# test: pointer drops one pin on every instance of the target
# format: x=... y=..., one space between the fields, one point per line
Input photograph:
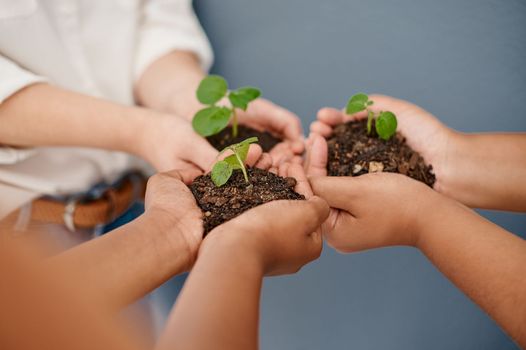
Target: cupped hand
x=265 y=115
x=173 y=205
x=169 y=142
x=368 y=211
x=423 y=132
x=373 y=210
x=283 y=235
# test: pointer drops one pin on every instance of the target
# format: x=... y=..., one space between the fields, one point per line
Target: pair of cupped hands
x=350 y=213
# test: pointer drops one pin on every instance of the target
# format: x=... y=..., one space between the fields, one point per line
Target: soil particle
x=220 y=204
x=352 y=152
x=267 y=141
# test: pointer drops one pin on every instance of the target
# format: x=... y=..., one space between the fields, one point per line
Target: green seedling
x=223 y=169
x=212 y=119
x=386 y=122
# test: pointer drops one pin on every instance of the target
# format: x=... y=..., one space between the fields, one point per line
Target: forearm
x=127 y=263
x=488 y=171
x=483 y=260
x=44 y=115
x=219 y=305
x=169 y=84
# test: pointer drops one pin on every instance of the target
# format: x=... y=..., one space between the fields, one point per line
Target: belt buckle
x=72 y=204
x=69 y=214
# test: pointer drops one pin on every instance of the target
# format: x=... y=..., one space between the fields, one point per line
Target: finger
x=184 y=171
x=282 y=121
x=339 y=192
x=265 y=162
x=203 y=154
x=297 y=160
x=273 y=170
x=331 y=116
x=321 y=128
x=254 y=154
x=283 y=169
x=317 y=157
x=342 y=237
x=302 y=186
x=281 y=152
x=187 y=175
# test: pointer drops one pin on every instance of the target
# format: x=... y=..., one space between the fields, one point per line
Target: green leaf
x=243 y=146
x=357 y=103
x=221 y=172
x=211 y=120
x=241 y=97
x=386 y=124
x=232 y=161
x=212 y=89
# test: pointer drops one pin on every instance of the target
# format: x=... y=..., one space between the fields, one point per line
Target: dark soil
x=267 y=141
x=353 y=153
x=220 y=204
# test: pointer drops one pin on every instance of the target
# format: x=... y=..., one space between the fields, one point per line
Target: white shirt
x=95 y=47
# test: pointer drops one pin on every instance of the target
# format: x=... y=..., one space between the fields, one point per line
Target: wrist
x=230 y=246
x=431 y=212
x=162 y=227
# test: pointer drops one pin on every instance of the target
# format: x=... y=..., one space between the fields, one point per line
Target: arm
x=483 y=260
x=169 y=84
x=218 y=308
x=488 y=171
x=44 y=115
x=127 y=263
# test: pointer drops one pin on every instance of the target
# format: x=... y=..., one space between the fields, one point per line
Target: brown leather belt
x=86 y=213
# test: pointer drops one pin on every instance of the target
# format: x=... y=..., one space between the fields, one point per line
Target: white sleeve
x=168 y=25
x=14 y=78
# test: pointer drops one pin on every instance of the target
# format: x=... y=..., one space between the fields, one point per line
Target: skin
x=459 y=160
x=127 y=263
x=177 y=96
x=220 y=300
x=72 y=119
x=483 y=260
x=219 y=305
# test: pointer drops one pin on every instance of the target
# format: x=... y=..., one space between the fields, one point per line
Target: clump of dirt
x=352 y=152
x=267 y=141
x=220 y=204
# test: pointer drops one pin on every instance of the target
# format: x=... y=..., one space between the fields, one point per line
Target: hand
x=366 y=210
x=424 y=133
x=265 y=115
x=169 y=142
x=280 y=244
x=172 y=204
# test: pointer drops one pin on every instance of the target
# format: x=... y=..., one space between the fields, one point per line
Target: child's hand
x=265 y=115
x=424 y=133
x=278 y=237
x=373 y=210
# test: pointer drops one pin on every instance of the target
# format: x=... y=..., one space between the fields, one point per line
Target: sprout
x=223 y=169
x=386 y=122
x=212 y=119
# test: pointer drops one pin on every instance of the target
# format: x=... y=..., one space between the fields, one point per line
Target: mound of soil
x=220 y=204
x=267 y=141
x=352 y=152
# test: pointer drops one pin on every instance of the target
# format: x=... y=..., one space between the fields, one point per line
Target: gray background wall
x=463 y=60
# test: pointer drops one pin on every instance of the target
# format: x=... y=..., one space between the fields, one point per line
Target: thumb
x=203 y=154
x=317 y=157
x=339 y=192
